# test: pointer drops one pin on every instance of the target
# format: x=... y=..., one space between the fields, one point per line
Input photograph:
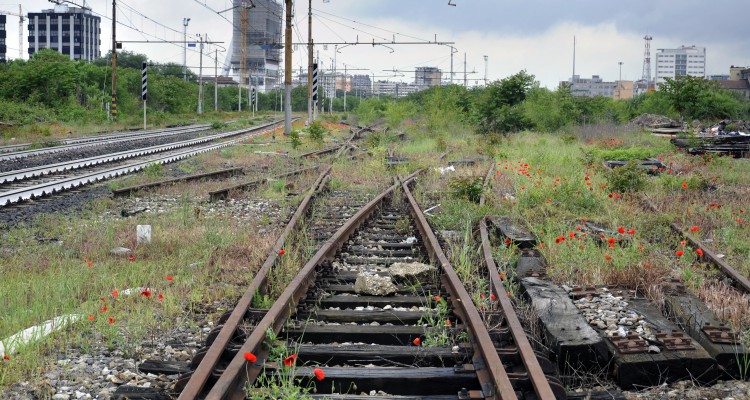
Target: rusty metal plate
x=720 y=334
x=630 y=344
x=675 y=341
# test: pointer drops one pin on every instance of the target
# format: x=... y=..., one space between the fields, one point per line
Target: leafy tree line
x=518 y=103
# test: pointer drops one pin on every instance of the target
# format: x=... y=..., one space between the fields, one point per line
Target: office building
x=428 y=77
x=72 y=31
x=684 y=61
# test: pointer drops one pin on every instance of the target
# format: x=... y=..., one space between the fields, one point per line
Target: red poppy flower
x=111 y=320
x=89 y=263
x=91 y=317
x=507 y=242
x=103 y=309
x=6 y=357
x=289 y=361
x=694 y=229
x=611 y=240
x=102 y=299
x=684 y=185
x=115 y=293
x=631 y=231
x=680 y=253
x=131 y=258
x=281 y=252
x=700 y=252
x=492 y=297
x=437 y=298
x=250 y=357
x=682 y=243
x=608 y=257
x=507 y=294
x=572 y=234
x=559 y=239
x=170 y=278
x=502 y=275
x=648 y=265
x=621 y=230
x=481 y=297
x=160 y=297
x=146 y=293
x=319 y=375
x=417 y=341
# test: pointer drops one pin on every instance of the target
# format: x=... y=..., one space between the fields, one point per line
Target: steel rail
x=219 y=173
x=498 y=377
x=27 y=173
x=79 y=143
x=221 y=194
x=210 y=360
x=42 y=189
x=708 y=254
x=238 y=372
x=539 y=381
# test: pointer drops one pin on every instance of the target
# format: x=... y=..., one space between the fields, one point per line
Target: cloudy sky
x=536 y=35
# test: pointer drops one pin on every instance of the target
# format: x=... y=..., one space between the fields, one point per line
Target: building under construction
x=255 y=52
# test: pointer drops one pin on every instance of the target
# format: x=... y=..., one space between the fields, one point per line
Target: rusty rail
x=708 y=254
x=203 y=372
x=215 y=174
x=494 y=373
x=539 y=381
x=222 y=194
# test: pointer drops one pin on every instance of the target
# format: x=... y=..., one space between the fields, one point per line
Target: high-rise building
x=262 y=37
x=684 y=61
x=70 y=30
x=3 y=47
x=428 y=76
x=362 y=84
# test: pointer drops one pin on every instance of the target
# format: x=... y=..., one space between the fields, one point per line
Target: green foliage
x=397 y=111
x=294 y=137
x=624 y=154
x=153 y=170
x=628 y=178
x=699 y=98
x=370 y=110
x=316 y=131
x=468 y=188
x=498 y=108
x=550 y=111
x=217 y=125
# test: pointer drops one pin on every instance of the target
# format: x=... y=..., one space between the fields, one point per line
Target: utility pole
x=243 y=33
x=309 y=64
x=465 y=81
x=345 y=88
x=216 y=79
x=453 y=50
x=485 y=70
x=573 y=78
x=200 y=79
x=239 y=94
x=288 y=69
x=114 y=60
x=619 y=82
x=185 y=22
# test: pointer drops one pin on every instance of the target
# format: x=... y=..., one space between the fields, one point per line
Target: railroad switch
x=675 y=341
x=720 y=334
x=630 y=344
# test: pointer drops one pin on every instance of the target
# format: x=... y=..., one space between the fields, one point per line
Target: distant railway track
x=18 y=186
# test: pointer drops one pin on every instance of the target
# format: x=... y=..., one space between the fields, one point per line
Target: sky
x=532 y=35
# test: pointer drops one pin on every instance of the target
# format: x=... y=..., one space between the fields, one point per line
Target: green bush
x=294 y=137
x=628 y=178
x=316 y=131
x=468 y=188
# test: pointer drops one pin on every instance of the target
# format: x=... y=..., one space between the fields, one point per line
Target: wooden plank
x=400 y=289
x=382 y=355
x=126 y=392
x=692 y=315
x=383 y=334
x=576 y=345
x=375 y=301
x=164 y=367
x=519 y=235
x=531 y=263
x=367 y=316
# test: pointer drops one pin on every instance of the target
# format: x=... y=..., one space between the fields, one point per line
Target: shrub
x=469 y=188
x=316 y=131
x=294 y=137
x=628 y=178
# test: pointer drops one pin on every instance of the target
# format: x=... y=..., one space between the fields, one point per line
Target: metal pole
x=144 y=115
x=288 y=69
x=335 y=55
x=200 y=80
x=452 y=51
x=309 y=65
x=185 y=22
x=485 y=70
x=344 y=87
x=466 y=84
x=216 y=80
x=114 y=60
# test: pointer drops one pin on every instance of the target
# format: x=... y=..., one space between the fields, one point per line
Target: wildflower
x=682 y=243
x=502 y=275
x=146 y=293
x=160 y=296
x=103 y=309
x=492 y=297
x=6 y=357
x=579 y=227
x=417 y=341
x=507 y=294
x=115 y=293
x=319 y=375
x=250 y=357
x=507 y=242
x=131 y=258
x=281 y=252
x=694 y=229
x=648 y=266
x=102 y=299
x=684 y=185
x=289 y=361
x=608 y=257
x=631 y=231
x=611 y=241
x=481 y=297
x=559 y=239
x=111 y=320
x=700 y=252
x=572 y=235
x=170 y=278
x=89 y=263
x=680 y=253
x=91 y=317
x=621 y=230
x=580 y=247
x=437 y=298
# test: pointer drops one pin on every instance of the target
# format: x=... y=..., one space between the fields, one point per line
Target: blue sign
x=191 y=44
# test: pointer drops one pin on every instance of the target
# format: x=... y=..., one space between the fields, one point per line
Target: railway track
x=18 y=186
x=425 y=339
x=15 y=152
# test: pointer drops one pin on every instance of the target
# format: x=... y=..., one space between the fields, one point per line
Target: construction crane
x=20 y=28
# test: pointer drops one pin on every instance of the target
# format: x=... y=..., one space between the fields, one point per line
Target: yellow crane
x=21 y=20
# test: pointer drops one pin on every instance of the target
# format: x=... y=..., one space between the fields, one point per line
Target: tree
x=698 y=98
x=125 y=59
x=497 y=108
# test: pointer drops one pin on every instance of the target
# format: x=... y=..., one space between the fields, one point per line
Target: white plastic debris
x=11 y=344
x=411 y=240
x=143 y=234
x=444 y=170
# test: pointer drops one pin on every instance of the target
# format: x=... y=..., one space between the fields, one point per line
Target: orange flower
x=89 y=263
x=700 y=252
x=250 y=357
x=680 y=253
x=502 y=275
x=437 y=298
x=170 y=278
x=481 y=297
x=111 y=320
x=611 y=241
x=694 y=229
x=91 y=317
x=648 y=265
x=319 y=375
x=417 y=341
x=572 y=235
x=289 y=361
